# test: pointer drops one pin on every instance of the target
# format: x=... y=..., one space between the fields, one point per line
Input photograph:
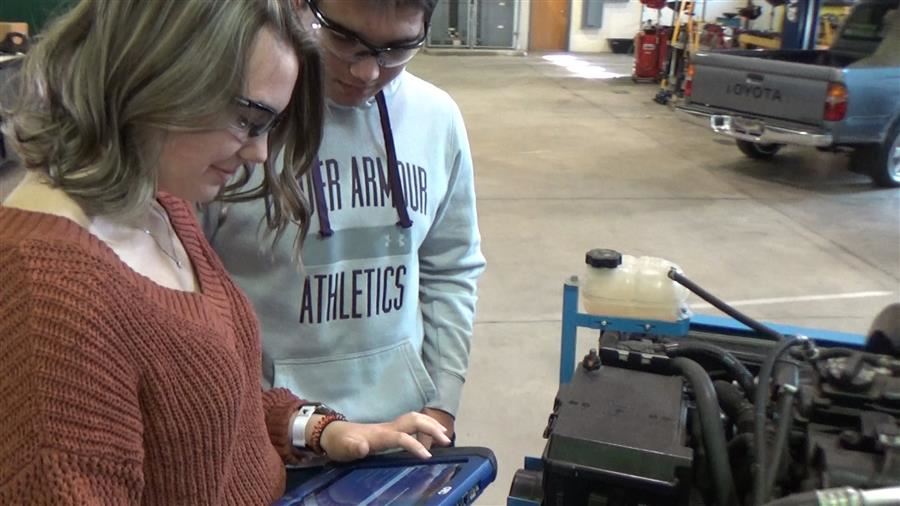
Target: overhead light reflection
x=559 y=57
x=581 y=68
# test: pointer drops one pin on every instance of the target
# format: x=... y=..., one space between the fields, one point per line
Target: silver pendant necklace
x=166 y=252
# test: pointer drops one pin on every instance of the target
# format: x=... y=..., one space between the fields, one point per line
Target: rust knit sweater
x=116 y=390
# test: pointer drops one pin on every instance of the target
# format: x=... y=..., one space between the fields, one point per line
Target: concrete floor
x=565 y=164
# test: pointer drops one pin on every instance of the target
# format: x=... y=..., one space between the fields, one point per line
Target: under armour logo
x=391 y=238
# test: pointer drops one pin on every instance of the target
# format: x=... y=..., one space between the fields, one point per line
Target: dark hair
x=427 y=6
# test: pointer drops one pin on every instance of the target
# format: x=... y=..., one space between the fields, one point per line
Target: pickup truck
x=846 y=97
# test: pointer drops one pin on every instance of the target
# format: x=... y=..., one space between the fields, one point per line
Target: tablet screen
x=383 y=486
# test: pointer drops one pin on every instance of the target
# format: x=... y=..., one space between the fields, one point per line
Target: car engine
x=708 y=419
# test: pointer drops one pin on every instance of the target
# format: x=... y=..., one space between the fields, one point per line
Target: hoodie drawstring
x=398 y=200
x=397 y=197
x=321 y=209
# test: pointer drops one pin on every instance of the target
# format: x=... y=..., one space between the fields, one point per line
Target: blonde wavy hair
x=107 y=74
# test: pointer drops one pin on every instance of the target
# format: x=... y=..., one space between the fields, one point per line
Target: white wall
x=623 y=19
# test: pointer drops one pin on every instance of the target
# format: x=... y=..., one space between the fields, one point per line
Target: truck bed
x=822 y=57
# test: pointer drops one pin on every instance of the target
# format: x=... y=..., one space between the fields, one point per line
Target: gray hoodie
x=381 y=323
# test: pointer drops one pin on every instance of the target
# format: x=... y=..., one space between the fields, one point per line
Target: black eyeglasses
x=350 y=47
x=254 y=117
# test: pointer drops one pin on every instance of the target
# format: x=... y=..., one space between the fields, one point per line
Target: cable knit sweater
x=116 y=390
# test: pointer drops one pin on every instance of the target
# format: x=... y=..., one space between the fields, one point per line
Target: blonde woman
x=130 y=361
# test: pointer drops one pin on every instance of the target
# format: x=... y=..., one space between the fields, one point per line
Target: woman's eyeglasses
x=350 y=47
x=254 y=117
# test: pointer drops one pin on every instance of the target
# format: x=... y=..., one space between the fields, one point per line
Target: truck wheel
x=885 y=169
x=758 y=151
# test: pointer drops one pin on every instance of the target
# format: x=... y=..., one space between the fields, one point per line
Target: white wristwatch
x=298 y=429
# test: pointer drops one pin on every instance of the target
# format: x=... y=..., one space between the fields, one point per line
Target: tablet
x=452 y=476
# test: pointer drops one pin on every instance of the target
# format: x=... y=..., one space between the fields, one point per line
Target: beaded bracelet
x=315 y=443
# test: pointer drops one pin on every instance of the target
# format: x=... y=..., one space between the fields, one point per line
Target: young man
x=378 y=321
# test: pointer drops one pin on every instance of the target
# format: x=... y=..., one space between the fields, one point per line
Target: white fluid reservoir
x=625 y=286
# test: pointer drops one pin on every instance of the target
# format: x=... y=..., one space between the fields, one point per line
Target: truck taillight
x=836 y=102
x=689 y=81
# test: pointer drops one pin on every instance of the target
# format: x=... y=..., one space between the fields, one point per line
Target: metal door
x=474 y=24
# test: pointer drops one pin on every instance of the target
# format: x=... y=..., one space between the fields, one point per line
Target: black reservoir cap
x=603 y=258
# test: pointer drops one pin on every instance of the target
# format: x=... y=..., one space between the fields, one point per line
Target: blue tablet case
x=453 y=476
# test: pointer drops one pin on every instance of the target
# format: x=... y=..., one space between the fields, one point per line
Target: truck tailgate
x=762 y=87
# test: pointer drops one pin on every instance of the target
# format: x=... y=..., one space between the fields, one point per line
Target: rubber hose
x=785 y=409
x=759 y=417
x=736 y=370
x=713 y=432
x=735 y=405
x=724 y=307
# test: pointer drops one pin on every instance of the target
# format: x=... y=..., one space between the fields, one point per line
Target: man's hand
x=444 y=418
x=345 y=441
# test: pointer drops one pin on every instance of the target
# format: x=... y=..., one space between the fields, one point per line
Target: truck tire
x=758 y=151
x=885 y=160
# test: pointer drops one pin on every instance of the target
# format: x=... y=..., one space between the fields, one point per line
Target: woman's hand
x=345 y=441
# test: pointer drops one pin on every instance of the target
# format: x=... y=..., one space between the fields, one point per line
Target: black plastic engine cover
x=616 y=431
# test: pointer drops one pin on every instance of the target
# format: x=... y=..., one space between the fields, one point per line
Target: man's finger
x=413 y=446
x=446 y=424
x=434 y=430
x=425 y=439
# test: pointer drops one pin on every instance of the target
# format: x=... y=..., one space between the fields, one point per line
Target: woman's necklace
x=166 y=252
